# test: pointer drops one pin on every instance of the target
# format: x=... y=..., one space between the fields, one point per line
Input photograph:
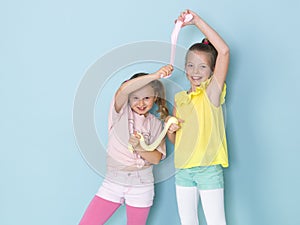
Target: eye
x=204 y=67
x=189 y=65
x=147 y=98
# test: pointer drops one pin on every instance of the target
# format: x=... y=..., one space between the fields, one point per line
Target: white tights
x=212 y=204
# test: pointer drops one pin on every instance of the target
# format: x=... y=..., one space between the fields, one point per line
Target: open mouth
x=196 y=78
x=141 y=108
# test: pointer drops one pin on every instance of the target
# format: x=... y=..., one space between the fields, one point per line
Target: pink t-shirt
x=119 y=128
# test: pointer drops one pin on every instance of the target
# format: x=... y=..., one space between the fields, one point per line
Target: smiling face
x=197 y=68
x=142 y=100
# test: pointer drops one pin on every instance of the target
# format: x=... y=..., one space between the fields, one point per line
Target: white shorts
x=135 y=188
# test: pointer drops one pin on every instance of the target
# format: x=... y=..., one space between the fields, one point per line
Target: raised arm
x=121 y=96
x=222 y=62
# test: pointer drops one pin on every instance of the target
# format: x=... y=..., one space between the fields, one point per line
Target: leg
x=213 y=206
x=98 y=211
x=137 y=215
x=187 y=201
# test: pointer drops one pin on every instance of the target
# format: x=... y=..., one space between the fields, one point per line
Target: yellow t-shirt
x=201 y=141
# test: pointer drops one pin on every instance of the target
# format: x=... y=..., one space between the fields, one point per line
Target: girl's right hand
x=174 y=127
x=134 y=140
x=164 y=71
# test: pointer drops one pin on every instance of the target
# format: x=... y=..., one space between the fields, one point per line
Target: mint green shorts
x=202 y=177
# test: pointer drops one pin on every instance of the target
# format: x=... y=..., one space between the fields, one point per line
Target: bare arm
x=222 y=61
x=121 y=96
x=171 y=134
x=222 y=48
x=153 y=157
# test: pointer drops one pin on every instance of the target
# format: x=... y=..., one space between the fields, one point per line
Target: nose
x=141 y=102
x=196 y=70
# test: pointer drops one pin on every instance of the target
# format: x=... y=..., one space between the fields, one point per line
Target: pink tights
x=100 y=210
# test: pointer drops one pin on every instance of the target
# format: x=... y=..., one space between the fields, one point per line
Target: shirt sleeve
x=114 y=115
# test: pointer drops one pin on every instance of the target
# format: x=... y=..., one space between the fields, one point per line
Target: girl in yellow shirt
x=200 y=141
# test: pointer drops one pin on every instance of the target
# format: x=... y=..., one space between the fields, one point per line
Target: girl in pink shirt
x=129 y=176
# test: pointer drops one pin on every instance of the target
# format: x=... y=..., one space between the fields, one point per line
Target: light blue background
x=47 y=46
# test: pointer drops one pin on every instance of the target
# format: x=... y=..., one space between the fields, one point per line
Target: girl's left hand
x=182 y=15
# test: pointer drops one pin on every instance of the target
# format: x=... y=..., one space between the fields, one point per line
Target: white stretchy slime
x=174 y=36
x=157 y=142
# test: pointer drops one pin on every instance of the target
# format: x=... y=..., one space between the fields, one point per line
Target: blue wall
x=46 y=47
